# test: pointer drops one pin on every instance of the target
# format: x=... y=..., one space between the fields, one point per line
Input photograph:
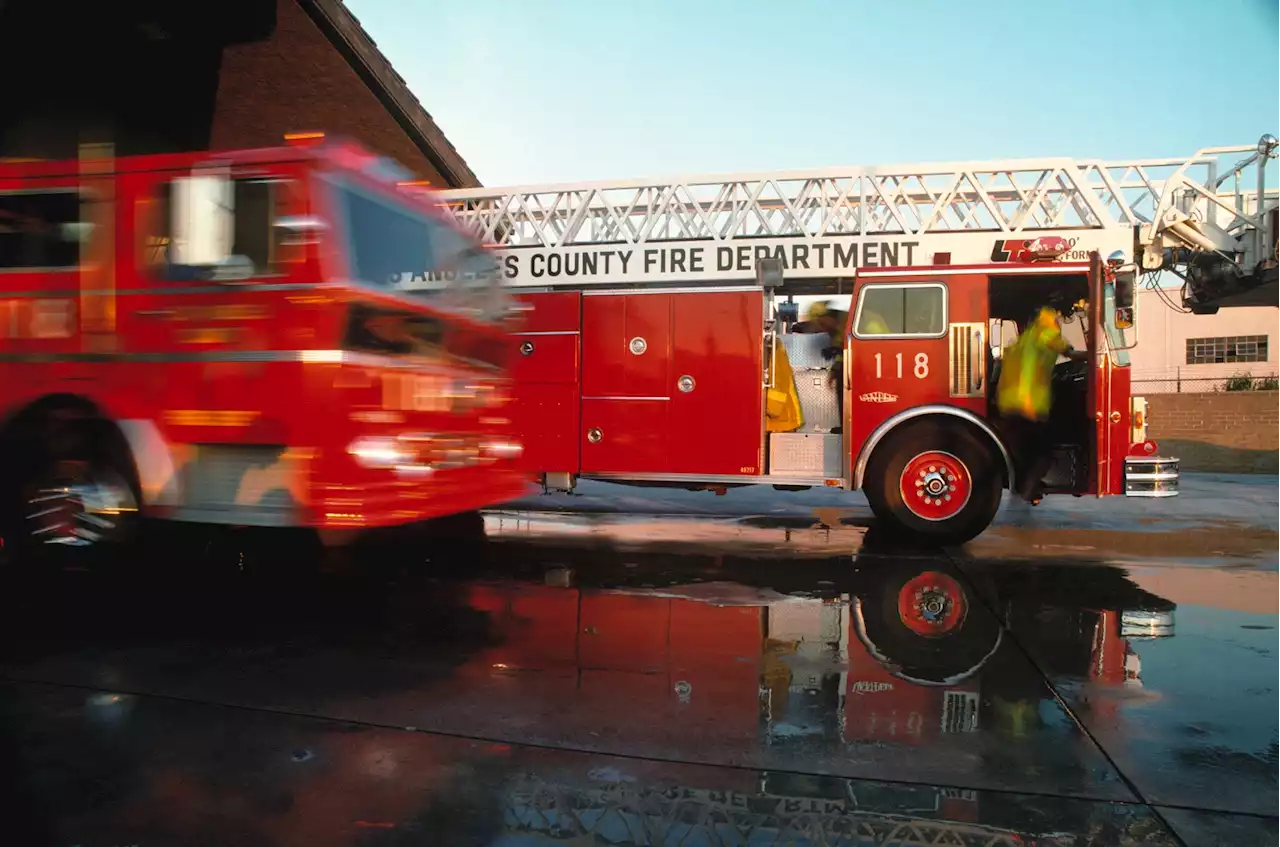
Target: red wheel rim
x=935 y=485
x=932 y=604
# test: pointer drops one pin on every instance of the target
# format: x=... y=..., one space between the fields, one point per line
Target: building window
x=902 y=311
x=1236 y=348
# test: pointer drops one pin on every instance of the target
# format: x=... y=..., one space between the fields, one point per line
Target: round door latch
x=685 y=383
x=1115 y=417
x=637 y=346
x=594 y=435
x=526 y=349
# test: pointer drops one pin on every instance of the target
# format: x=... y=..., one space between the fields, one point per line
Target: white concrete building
x=1195 y=353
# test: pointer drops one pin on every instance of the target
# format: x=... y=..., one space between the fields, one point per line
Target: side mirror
x=769 y=273
x=300 y=229
x=1125 y=297
x=203 y=225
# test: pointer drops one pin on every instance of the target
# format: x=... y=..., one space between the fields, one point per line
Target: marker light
x=303 y=139
x=1047 y=247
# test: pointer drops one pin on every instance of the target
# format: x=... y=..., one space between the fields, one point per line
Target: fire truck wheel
x=934 y=482
x=72 y=498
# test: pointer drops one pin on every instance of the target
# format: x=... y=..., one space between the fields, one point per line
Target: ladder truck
x=658 y=345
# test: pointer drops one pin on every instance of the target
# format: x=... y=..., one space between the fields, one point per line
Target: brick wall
x=1224 y=432
x=298 y=81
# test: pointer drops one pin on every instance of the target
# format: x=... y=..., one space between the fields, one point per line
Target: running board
x=719 y=479
x=1150 y=476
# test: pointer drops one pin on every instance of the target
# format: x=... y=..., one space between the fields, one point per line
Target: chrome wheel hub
x=79 y=513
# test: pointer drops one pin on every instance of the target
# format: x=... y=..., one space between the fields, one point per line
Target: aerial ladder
x=1207 y=219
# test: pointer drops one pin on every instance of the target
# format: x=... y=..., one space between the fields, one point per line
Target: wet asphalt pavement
x=635 y=666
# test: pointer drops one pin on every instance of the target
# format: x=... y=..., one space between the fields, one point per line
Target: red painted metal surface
x=1120 y=430
x=626 y=346
x=551 y=311
x=638 y=352
x=888 y=376
x=625 y=436
x=546 y=367
x=719 y=344
x=264 y=361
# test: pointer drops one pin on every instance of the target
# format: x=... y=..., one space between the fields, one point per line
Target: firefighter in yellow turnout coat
x=1024 y=396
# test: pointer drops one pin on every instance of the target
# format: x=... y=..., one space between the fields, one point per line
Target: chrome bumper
x=1150 y=476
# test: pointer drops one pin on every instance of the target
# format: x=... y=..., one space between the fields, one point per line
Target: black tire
x=70 y=497
x=955 y=447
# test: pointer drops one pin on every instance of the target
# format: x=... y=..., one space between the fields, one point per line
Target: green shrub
x=1239 y=382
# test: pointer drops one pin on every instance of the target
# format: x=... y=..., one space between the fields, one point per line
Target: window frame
x=862 y=300
x=83 y=195
x=1261 y=341
x=436 y=299
x=156 y=192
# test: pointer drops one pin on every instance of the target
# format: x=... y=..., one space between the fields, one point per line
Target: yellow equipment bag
x=782 y=404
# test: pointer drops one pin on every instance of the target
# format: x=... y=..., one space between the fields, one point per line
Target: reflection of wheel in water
x=920 y=623
x=932 y=604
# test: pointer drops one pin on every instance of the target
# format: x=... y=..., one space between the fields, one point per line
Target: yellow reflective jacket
x=1026 y=378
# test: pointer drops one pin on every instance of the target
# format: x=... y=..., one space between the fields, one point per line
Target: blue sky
x=576 y=90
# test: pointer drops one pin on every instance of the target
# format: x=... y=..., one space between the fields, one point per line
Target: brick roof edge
x=358 y=48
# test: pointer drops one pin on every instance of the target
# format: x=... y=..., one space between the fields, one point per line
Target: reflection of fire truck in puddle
x=676 y=672
x=910 y=658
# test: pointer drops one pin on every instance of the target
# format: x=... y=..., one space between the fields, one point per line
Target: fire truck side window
x=255 y=236
x=906 y=311
x=40 y=230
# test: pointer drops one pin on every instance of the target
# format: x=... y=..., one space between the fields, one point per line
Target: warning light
x=942 y=258
x=1047 y=247
x=303 y=139
x=414 y=183
x=1139 y=419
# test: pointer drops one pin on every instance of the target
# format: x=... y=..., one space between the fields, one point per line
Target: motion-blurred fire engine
x=219 y=338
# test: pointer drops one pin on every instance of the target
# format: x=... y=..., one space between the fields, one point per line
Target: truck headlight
x=379 y=453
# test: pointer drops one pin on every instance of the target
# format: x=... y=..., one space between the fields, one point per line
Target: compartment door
x=717 y=384
x=626 y=384
x=545 y=371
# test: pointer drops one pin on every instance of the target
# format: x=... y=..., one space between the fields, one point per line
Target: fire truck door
x=915 y=341
x=671 y=383
x=1098 y=445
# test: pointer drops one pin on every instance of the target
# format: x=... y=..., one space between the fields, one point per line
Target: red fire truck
x=224 y=338
x=659 y=349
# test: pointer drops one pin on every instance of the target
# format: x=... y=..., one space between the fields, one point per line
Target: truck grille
x=968 y=360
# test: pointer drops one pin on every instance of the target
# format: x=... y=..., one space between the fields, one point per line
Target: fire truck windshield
x=393 y=245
